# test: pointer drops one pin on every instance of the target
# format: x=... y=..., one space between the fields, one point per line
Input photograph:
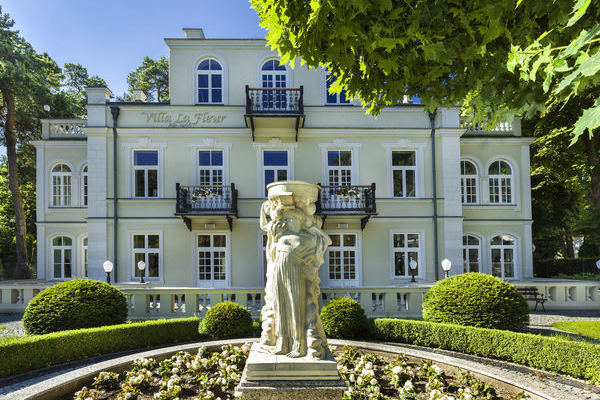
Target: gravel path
x=13 y=324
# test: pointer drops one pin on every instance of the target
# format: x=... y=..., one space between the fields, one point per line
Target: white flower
x=373 y=382
x=397 y=369
x=408 y=386
x=434 y=394
x=437 y=369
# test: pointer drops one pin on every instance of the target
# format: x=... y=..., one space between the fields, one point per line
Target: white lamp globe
x=598 y=264
x=446 y=264
x=412 y=264
x=141 y=265
x=108 y=266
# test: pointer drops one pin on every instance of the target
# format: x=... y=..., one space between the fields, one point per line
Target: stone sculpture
x=294 y=251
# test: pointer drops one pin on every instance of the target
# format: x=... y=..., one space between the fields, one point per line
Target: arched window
x=274 y=75
x=61 y=185
x=468 y=182
x=210 y=82
x=502 y=248
x=62 y=257
x=84 y=186
x=500 y=182
x=471 y=253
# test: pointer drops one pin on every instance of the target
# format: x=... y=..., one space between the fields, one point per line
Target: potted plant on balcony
x=204 y=193
x=348 y=193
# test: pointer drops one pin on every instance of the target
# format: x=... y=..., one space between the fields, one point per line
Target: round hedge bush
x=227 y=320
x=344 y=318
x=75 y=304
x=476 y=299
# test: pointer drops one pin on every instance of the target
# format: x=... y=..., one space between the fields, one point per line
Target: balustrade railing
x=63 y=128
x=347 y=199
x=483 y=127
x=206 y=199
x=274 y=100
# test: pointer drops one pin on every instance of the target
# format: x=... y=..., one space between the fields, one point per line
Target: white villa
x=179 y=185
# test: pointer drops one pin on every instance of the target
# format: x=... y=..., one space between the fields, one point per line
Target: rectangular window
x=404 y=170
x=85 y=257
x=145 y=166
x=406 y=248
x=335 y=98
x=342 y=258
x=275 y=166
x=146 y=248
x=339 y=167
x=210 y=164
x=212 y=259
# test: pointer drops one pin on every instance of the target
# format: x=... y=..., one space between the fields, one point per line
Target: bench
x=532 y=294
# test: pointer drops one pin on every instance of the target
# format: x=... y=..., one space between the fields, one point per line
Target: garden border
x=543 y=385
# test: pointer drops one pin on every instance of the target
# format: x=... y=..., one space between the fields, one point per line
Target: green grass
x=2 y=327
x=584 y=328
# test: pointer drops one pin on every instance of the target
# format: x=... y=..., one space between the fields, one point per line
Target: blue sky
x=111 y=37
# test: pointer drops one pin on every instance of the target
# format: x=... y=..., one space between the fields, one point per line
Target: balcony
x=274 y=112
x=347 y=200
x=65 y=129
x=481 y=128
x=204 y=202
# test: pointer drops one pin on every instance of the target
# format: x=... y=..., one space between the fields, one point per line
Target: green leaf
x=590 y=119
x=590 y=66
x=578 y=11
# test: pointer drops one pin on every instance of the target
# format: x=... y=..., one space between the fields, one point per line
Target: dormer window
x=210 y=82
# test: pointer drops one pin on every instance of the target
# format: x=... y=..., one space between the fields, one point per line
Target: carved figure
x=295 y=248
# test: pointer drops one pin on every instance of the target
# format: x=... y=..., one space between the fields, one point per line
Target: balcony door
x=210 y=193
x=274 y=75
x=339 y=192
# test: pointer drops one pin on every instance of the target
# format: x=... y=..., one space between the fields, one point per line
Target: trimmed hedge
x=28 y=353
x=344 y=318
x=567 y=266
x=574 y=358
x=227 y=320
x=76 y=304
x=476 y=299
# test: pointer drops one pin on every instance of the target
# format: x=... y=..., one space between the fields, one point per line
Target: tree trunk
x=592 y=146
x=13 y=184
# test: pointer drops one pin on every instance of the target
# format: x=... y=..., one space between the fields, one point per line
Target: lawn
x=585 y=328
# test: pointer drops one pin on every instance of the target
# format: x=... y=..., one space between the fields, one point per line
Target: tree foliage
x=151 y=76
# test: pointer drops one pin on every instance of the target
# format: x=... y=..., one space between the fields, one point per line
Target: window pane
x=203 y=96
x=152 y=267
x=410 y=183
x=275 y=158
x=215 y=80
x=268 y=66
x=269 y=176
x=203 y=240
x=281 y=175
x=399 y=264
x=335 y=240
x=467 y=168
x=68 y=263
x=137 y=257
x=507 y=240
x=140 y=182
x=215 y=66
x=204 y=65
x=204 y=265
x=202 y=81
x=398 y=183
x=67 y=241
x=219 y=265
x=145 y=157
x=343 y=99
x=153 y=242
x=346 y=158
x=57 y=263
x=399 y=240
x=152 y=183
x=413 y=240
x=219 y=240
x=216 y=158
x=505 y=168
x=413 y=255
x=139 y=241
x=204 y=157
x=494 y=168
x=496 y=240
x=349 y=240
x=216 y=96
x=403 y=158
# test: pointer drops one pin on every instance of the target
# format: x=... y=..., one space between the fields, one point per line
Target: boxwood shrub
x=344 y=318
x=476 y=299
x=75 y=304
x=574 y=358
x=22 y=354
x=227 y=320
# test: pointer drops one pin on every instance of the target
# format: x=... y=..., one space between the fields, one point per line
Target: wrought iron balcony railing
x=274 y=101
x=206 y=199
x=352 y=199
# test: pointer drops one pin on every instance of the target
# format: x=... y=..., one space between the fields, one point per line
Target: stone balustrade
x=63 y=128
x=503 y=127
x=145 y=301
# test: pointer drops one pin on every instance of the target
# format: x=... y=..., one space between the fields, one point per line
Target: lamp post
x=598 y=265
x=141 y=266
x=446 y=266
x=413 y=269
x=108 y=267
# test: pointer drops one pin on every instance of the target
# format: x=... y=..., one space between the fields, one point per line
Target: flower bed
x=207 y=376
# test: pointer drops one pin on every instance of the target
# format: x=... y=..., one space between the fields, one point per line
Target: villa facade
x=405 y=186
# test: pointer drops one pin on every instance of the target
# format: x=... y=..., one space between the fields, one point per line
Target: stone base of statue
x=273 y=377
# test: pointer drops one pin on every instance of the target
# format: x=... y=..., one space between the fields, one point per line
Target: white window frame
x=61 y=176
x=272 y=145
x=463 y=182
x=209 y=73
x=85 y=186
x=83 y=253
x=222 y=168
x=468 y=248
x=62 y=249
x=344 y=283
x=406 y=145
x=340 y=145
x=212 y=283
x=259 y=72
x=224 y=81
x=133 y=251
x=404 y=168
x=516 y=258
x=158 y=168
x=421 y=254
x=500 y=177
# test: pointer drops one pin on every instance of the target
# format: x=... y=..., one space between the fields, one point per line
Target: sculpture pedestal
x=273 y=377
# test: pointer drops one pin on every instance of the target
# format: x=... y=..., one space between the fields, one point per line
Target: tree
x=151 y=76
x=26 y=81
x=74 y=80
x=495 y=57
